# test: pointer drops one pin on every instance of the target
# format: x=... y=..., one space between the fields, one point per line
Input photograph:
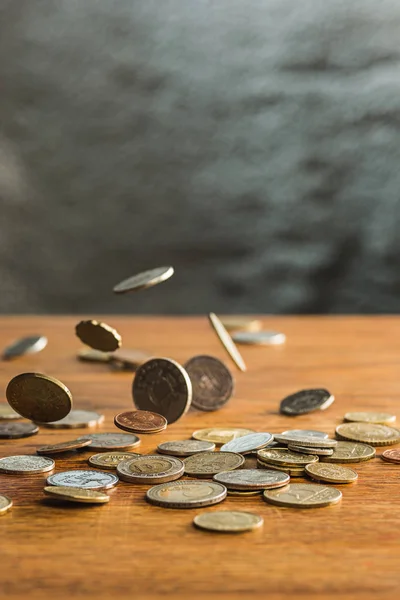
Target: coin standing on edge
x=227 y=342
x=26 y=345
x=259 y=338
x=144 y=280
x=212 y=382
x=248 y=443
x=26 y=464
x=150 y=468
x=228 y=521
x=331 y=473
x=185 y=447
x=84 y=479
x=369 y=433
x=5 y=504
x=251 y=479
x=140 y=421
x=111 y=441
x=110 y=460
x=64 y=446
x=220 y=435
x=39 y=397
x=303 y=495
x=306 y=401
x=186 y=494
x=98 y=335
x=204 y=464
x=76 y=494
x=76 y=419
x=14 y=431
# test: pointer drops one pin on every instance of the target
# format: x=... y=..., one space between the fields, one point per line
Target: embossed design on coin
x=228 y=521
x=227 y=342
x=303 y=495
x=97 y=335
x=84 y=479
x=310 y=441
x=39 y=397
x=350 y=452
x=112 y=441
x=205 y=464
x=310 y=450
x=26 y=345
x=276 y=456
x=76 y=494
x=110 y=460
x=248 y=443
x=77 y=419
x=26 y=463
x=305 y=433
x=7 y=413
x=259 y=338
x=5 y=504
x=370 y=417
x=220 y=435
x=186 y=494
x=17 y=430
x=64 y=446
x=185 y=447
x=150 y=468
x=331 y=473
x=250 y=479
x=392 y=456
x=370 y=433
x=163 y=386
x=144 y=280
x=306 y=401
x=140 y=421
x=212 y=382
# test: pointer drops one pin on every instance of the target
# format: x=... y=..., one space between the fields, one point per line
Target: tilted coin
x=240 y=323
x=163 y=386
x=7 y=413
x=220 y=435
x=205 y=464
x=150 y=469
x=212 y=382
x=259 y=338
x=370 y=417
x=227 y=342
x=140 y=421
x=84 y=479
x=250 y=479
x=244 y=493
x=309 y=441
x=392 y=456
x=248 y=443
x=17 y=430
x=370 y=433
x=76 y=494
x=39 y=397
x=98 y=335
x=292 y=471
x=305 y=433
x=112 y=441
x=350 y=452
x=64 y=446
x=316 y=451
x=26 y=464
x=186 y=494
x=92 y=355
x=306 y=401
x=77 y=419
x=185 y=447
x=144 y=280
x=228 y=521
x=5 y=504
x=331 y=473
x=110 y=460
x=129 y=359
x=286 y=458
x=26 y=345
x=303 y=495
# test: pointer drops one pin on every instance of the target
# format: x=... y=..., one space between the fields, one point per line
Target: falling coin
x=185 y=447
x=17 y=430
x=220 y=435
x=251 y=479
x=112 y=441
x=39 y=397
x=303 y=495
x=227 y=342
x=331 y=473
x=306 y=401
x=7 y=413
x=77 y=419
x=97 y=335
x=144 y=280
x=110 y=460
x=84 y=479
x=186 y=494
x=248 y=443
x=212 y=382
x=350 y=452
x=64 y=446
x=76 y=494
x=151 y=469
x=392 y=456
x=140 y=421
x=26 y=345
x=240 y=323
x=26 y=464
x=228 y=521
x=370 y=417
x=370 y=433
x=5 y=504
x=259 y=338
x=204 y=464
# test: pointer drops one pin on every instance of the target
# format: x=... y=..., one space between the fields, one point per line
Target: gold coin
x=39 y=397
x=76 y=419
x=349 y=452
x=219 y=435
x=370 y=417
x=97 y=335
x=76 y=494
x=150 y=469
x=92 y=355
x=228 y=521
x=309 y=450
x=285 y=458
x=331 y=473
x=206 y=464
x=110 y=460
x=186 y=494
x=64 y=446
x=303 y=495
x=245 y=493
x=227 y=342
x=144 y=280
x=292 y=471
x=370 y=433
x=7 y=413
x=239 y=323
x=5 y=504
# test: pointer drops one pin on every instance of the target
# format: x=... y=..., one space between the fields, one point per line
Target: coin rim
x=195 y=504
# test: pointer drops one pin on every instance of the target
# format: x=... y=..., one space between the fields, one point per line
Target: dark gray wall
x=253 y=144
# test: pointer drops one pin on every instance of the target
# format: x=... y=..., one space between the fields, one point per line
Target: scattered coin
x=129 y=359
x=185 y=447
x=305 y=433
x=306 y=401
x=370 y=417
x=239 y=323
x=309 y=441
x=259 y=338
x=76 y=494
x=83 y=479
x=144 y=280
x=92 y=355
x=244 y=493
x=162 y=385
x=64 y=446
x=303 y=495
x=331 y=473
x=26 y=464
x=204 y=464
x=392 y=456
x=220 y=435
x=17 y=430
x=350 y=452
x=316 y=451
x=7 y=413
x=112 y=441
x=285 y=458
x=251 y=479
x=26 y=345
x=370 y=433
x=77 y=419
x=150 y=469
x=5 y=504
x=212 y=382
x=39 y=397
x=110 y=460
x=248 y=443
x=186 y=494
x=292 y=471
x=228 y=521
x=227 y=342
x=140 y=421
x=97 y=335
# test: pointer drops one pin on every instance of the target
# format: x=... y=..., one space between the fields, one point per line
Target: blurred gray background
x=253 y=144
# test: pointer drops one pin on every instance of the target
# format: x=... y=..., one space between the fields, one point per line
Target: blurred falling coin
x=98 y=335
x=110 y=460
x=239 y=323
x=248 y=443
x=204 y=464
x=220 y=435
x=140 y=421
x=63 y=446
x=13 y=431
x=39 y=397
x=349 y=452
x=303 y=495
x=212 y=382
x=306 y=401
x=5 y=504
x=151 y=469
x=186 y=494
x=331 y=473
x=7 y=413
x=76 y=494
x=144 y=280
x=259 y=338
x=77 y=419
x=392 y=456
x=112 y=441
x=26 y=345
x=228 y=521
x=26 y=464
x=185 y=447
x=227 y=342
x=370 y=417
x=370 y=433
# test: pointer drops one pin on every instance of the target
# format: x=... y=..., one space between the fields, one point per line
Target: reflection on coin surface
x=7 y=413
x=252 y=479
x=331 y=473
x=310 y=450
x=26 y=464
x=77 y=419
x=97 y=335
x=26 y=345
x=112 y=441
x=140 y=421
x=370 y=417
x=303 y=495
x=144 y=280
x=212 y=382
x=309 y=441
x=227 y=342
x=185 y=447
x=287 y=458
x=76 y=494
x=163 y=386
x=186 y=494
x=392 y=456
x=350 y=452
x=64 y=446
x=17 y=430
x=305 y=433
x=370 y=433
x=150 y=468
x=248 y=443
x=228 y=521
x=39 y=397
x=110 y=460
x=5 y=504
x=259 y=338
x=240 y=323
x=306 y=401
x=205 y=464
x=84 y=479
x=220 y=435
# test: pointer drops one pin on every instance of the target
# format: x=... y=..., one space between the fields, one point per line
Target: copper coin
x=64 y=446
x=17 y=430
x=392 y=456
x=212 y=382
x=140 y=421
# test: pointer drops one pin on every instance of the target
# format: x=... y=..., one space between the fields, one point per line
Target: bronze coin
x=140 y=421
x=64 y=446
x=17 y=430
x=212 y=382
x=39 y=397
x=392 y=456
x=97 y=335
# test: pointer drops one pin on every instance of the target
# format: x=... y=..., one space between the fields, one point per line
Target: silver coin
x=25 y=345
x=248 y=443
x=26 y=464
x=17 y=430
x=144 y=280
x=259 y=338
x=306 y=401
x=212 y=382
x=76 y=419
x=7 y=413
x=252 y=479
x=311 y=441
x=185 y=447
x=315 y=451
x=84 y=479
x=306 y=433
x=111 y=441
x=186 y=494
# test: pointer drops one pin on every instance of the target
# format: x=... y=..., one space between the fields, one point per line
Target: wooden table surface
x=129 y=549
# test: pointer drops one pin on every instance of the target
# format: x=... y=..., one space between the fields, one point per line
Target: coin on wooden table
x=370 y=417
x=140 y=421
x=259 y=338
x=227 y=342
x=350 y=452
x=292 y=471
x=212 y=382
x=305 y=433
x=205 y=464
x=98 y=335
x=7 y=413
x=285 y=458
x=64 y=446
x=84 y=479
x=26 y=345
x=76 y=494
x=186 y=494
x=26 y=464
x=392 y=456
x=331 y=473
x=305 y=450
x=308 y=441
x=240 y=323
x=39 y=397
x=5 y=504
x=92 y=355
x=306 y=401
x=303 y=495
x=248 y=443
x=244 y=493
x=370 y=433
x=77 y=419
x=17 y=430
x=144 y=280
x=220 y=435
x=110 y=460
x=150 y=468
x=250 y=479
x=185 y=447
x=111 y=441
x=228 y=521
x=162 y=385
x=129 y=359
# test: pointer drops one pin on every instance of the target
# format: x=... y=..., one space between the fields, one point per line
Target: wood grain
x=129 y=549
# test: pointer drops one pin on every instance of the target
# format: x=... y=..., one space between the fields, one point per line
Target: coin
x=150 y=469
x=76 y=494
x=316 y=451
x=259 y=338
x=292 y=471
x=370 y=433
x=162 y=385
x=26 y=464
x=84 y=479
x=5 y=504
x=129 y=359
x=98 y=335
x=140 y=421
x=303 y=495
x=39 y=397
x=250 y=479
x=220 y=435
x=204 y=464
x=77 y=419
x=240 y=323
x=306 y=401
x=309 y=441
x=243 y=493
x=212 y=382
x=185 y=447
x=331 y=473
x=7 y=413
x=370 y=417
x=248 y=443
x=305 y=433
x=64 y=446
x=286 y=458
x=17 y=430
x=392 y=456
x=228 y=521
x=350 y=452
x=112 y=441
x=110 y=460
x=92 y=355
x=227 y=342
x=26 y=345
x=144 y=280
x=186 y=494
